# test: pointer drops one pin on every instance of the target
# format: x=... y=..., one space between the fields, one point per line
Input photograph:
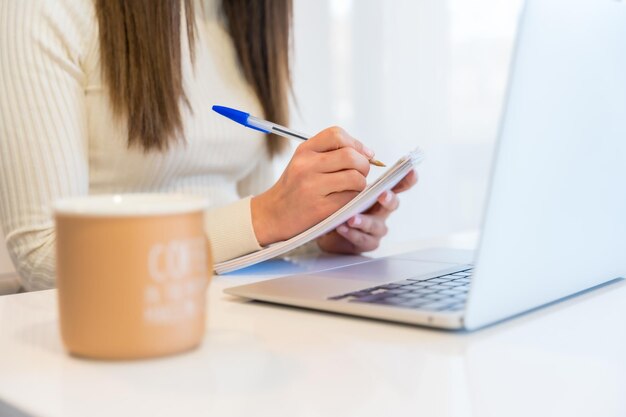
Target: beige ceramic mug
x=132 y=272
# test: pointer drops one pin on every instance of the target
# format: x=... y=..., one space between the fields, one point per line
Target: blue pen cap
x=236 y=116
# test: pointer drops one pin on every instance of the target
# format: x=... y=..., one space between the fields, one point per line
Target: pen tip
x=377 y=163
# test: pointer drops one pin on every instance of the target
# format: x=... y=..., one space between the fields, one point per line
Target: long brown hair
x=140 y=52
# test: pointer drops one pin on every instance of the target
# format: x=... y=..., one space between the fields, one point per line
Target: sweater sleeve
x=43 y=139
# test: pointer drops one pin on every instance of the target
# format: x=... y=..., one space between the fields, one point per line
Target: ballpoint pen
x=252 y=122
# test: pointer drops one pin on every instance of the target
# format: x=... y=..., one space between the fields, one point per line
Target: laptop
x=554 y=221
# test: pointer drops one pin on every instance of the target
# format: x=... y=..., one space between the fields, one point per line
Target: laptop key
x=402 y=303
x=394 y=300
x=396 y=291
x=450 y=284
x=414 y=295
x=410 y=294
x=390 y=286
x=368 y=299
x=449 y=292
x=361 y=293
x=419 y=284
x=437 y=280
x=423 y=291
x=455 y=284
x=438 y=287
x=405 y=295
x=404 y=282
x=434 y=296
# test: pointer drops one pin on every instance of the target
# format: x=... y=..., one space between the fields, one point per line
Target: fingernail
x=356 y=220
x=387 y=197
x=342 y=229
x=368 y=152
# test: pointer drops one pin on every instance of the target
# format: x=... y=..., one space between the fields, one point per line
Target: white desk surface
x=567 y=359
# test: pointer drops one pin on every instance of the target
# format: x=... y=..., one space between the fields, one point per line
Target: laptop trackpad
x=386 y=270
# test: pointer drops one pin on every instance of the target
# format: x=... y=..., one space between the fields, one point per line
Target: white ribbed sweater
x=58 y=136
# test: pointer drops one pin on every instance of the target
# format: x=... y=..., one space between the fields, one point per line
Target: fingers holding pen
x=335 y=138
x=340 y=162
x=337 y=182
x=342 y=159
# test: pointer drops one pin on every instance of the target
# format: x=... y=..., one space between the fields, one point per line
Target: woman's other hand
x=325 y=173
x=363 y=232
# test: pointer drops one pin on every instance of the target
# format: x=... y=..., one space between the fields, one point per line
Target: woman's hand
x=364 y=231
x=325 y=173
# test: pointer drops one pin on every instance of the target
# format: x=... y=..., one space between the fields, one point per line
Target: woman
x=113 y=96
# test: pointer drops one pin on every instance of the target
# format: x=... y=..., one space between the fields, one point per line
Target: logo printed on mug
x=168 y=299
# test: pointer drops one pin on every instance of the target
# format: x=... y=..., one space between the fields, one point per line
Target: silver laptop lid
x=555 y=221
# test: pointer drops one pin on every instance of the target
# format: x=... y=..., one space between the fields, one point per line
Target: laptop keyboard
x=441 y=293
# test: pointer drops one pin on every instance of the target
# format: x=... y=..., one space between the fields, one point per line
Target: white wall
x=401 y=73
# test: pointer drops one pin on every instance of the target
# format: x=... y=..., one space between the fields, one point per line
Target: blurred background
x=398 y=74
x=404 y=73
